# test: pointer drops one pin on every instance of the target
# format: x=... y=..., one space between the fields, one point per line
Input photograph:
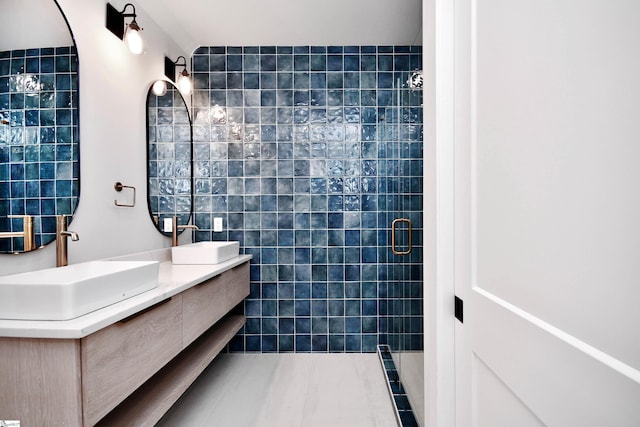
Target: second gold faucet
x=175 y=227
x=61 y=240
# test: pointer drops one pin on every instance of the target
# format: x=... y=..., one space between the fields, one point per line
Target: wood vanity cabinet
x=198 y=312
x=128 y=373
x=118 y=359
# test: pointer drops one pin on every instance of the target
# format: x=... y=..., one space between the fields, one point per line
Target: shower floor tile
x=287 y=390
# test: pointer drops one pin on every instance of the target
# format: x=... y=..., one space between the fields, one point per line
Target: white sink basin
x=204 y=252
x=68 y=292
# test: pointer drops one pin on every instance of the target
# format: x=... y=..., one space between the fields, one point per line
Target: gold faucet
x=26 y=233
x=174 y=230
x=61 y=240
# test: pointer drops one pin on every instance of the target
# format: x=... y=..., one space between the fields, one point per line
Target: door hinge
x=459 y=309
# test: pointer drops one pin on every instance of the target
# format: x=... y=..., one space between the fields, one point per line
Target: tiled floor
x=287 y=390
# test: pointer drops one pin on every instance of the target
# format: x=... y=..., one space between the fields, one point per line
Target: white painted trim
x=439 y=207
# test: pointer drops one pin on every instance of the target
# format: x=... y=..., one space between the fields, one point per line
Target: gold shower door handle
x=393 y=236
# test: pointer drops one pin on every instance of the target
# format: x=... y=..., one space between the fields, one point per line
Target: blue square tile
x=284 y=62
x=284 y=81
x=352 y=308
x=286 y=272
x=217 y=62
x=319 y=343
x=267 y=63
x=369 y=343
x=369 y=324
x=303 y=343
x=268 y=203
x=336 y=343
x=336 y=307
x=286 y=326
x=319 y=325
x=336 y=325
x=269 y=343
x=286 y=308
x=318 y=81
x=303 y=307
x=285 y=343
x=303 y=325
x=334 y=62
x=319 y=289
x=269 y=308
x=253 y=343
x=353 y=325
x=353 y=343
x=301 y=62
x=318 y=62
x=269 y=326
x=319 y=273
x=335 y=81
x=319 y=306
x=251 y=80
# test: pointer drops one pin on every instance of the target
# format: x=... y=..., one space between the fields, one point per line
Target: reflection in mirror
x=39 y=170
x=169 y=156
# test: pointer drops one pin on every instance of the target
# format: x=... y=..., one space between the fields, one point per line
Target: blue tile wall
x=308 y=153
x=38 y=140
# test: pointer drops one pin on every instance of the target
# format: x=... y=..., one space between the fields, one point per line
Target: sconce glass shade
x=133 y=40
x=159 y=88
x=184 y=83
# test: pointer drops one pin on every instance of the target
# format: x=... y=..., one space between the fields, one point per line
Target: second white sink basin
x=67 y=292
x=204 y=252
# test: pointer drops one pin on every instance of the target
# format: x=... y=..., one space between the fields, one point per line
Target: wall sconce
x=130 y=34
x=185 y=86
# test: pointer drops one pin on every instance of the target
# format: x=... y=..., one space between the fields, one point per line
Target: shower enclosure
x=318 y=151
x=402 y=136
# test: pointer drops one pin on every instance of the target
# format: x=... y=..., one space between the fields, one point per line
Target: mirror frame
x=158 y=216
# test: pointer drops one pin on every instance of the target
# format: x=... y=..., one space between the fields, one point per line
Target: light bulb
x=133 y=39
x=184 y=83
x=159 y=88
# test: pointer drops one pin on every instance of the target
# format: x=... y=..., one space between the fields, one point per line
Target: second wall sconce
x=185 y=86
x=131 y=33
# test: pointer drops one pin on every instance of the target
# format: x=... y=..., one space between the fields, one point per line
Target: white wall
x=113 y=89
x=16 y=21
x=289 y=22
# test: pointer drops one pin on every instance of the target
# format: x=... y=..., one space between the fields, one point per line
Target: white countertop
x=172 y=279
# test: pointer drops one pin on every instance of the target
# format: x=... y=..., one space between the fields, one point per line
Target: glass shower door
x=403 y=140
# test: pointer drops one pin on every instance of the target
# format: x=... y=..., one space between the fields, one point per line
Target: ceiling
x=194 y=23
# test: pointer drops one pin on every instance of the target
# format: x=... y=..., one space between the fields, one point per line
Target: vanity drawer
x=205 y=304
x=238 y=283
x=119 y=358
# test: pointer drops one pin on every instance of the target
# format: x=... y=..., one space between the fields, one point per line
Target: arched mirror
x=39 y=169
x=169 y=155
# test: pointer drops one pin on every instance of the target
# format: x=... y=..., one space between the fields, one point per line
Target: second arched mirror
x=169 y=156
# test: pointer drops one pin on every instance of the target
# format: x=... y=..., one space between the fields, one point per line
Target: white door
x=547 y=212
